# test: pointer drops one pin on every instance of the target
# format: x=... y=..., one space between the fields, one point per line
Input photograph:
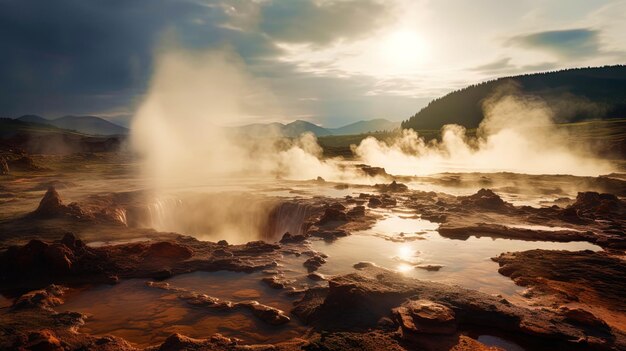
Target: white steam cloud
x=179 y=132
x=518 y=134
x=179 y=129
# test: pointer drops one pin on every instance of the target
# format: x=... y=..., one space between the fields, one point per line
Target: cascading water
x=289 y=217
x=235 y=217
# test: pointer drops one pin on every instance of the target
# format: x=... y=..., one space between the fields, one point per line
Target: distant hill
x=40 y=138
x=573 y=95
x=298 y=127
x=10 y=127
x=84 y=124
x=365 y=127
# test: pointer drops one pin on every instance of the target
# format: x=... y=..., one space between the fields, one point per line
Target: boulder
x=44 y=298
x=486 y=199
x=393 y=187
x=290 y=238
x=582 y=317
x=44 y=340
x=313 y=263
x=329 y=235
x=356 y=211
x=50 y=205
x=425 y=317
x=374 y=202
x=333 y=214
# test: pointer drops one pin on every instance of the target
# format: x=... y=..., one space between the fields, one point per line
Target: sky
x=331 y=62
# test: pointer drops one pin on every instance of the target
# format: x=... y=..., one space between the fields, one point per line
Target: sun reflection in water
x=403 y=268
x=406 y=255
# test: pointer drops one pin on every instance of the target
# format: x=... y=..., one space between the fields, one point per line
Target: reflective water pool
x=429 y=256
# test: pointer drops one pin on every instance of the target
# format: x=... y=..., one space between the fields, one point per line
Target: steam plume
x=518 y=134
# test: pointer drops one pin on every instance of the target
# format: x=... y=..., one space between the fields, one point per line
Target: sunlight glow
x=405 y=253
x=403 y=268
x=403 y=48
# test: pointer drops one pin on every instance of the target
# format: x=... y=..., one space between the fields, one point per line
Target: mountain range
x=83 y=124
x=93 y=125
x=298 y=127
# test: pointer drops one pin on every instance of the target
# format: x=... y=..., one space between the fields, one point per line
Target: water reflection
x=464 y=262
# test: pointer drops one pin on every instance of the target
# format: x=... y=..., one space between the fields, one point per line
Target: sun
x=403 y=48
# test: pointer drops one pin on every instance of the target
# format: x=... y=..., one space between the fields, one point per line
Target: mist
x=518 y=134
x=180 y=132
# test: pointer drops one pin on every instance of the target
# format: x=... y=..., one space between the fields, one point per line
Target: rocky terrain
x=575 y=299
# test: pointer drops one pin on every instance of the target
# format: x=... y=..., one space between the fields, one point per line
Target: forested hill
x=573 y=95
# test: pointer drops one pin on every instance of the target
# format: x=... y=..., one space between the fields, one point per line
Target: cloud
x=79 y=57
x=568 y=44
x=497 y=65
x=322 y=22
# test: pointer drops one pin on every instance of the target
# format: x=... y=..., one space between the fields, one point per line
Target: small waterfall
x=120 y=215
x=235 y=217
x=288 y=217
x=162 y=212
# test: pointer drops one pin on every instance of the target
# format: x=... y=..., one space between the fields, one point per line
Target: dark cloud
x=95 y=57
x=74 y=56
x=321 y=22
x=570 y=43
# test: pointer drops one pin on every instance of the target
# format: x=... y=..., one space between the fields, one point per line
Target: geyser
x=179 y=131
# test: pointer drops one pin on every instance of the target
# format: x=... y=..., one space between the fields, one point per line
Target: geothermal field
x=493 y=218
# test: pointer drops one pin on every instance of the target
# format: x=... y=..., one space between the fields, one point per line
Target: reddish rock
x=356 y=211
x=333 y=215
x=44 y=298
x=393 y=187
x=266 y=313
x=485 y=199
x=290 y=238
x=51 y=206
x=329 y=235
x=313 y=263
x=425 y=317
x=580 y=316
x=44 y=340
x=168 y=250
x=59 y=257
x=374 y=202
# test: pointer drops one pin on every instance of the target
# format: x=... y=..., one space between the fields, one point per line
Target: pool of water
x=462 y=262
x=400 y=241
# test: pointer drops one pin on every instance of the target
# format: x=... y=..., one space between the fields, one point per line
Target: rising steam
x=180 y=127
x=518 y=134
x=181 y=135
x=179 y=131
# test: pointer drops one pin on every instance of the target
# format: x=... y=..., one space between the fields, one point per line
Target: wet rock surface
x=593 y=217
x=586 y=277
x=372 y=309
x=265 y=313
x=69 y=260
x=359 y=301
